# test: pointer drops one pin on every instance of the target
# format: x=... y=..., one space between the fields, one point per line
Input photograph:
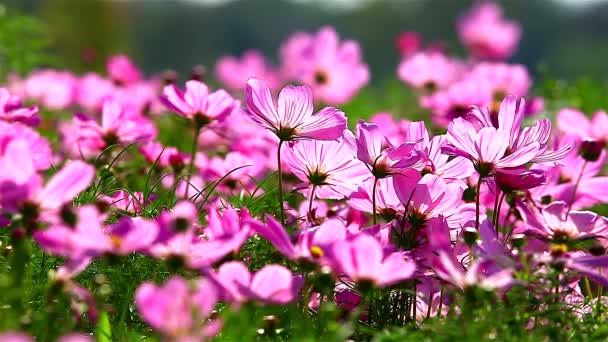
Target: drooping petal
x=327 y=124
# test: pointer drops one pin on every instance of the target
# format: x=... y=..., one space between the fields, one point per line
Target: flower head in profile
x=333 y=69
x=328 y=166
x=197 y=104
x=383 y=162
x=487 y=34
x=122 y=70
x=429 y=71
x=572 y=121
x=481 y=274
x=293 y=117
x=11 y=110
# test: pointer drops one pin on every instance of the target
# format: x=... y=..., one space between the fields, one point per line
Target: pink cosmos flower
x=311 y=244
x=555 y=223
x=486 y=34
x=164 y=156
x=455 y=101
x=177 y=309
x=332 y=68
x=501 y=143
x=122 y=70
x=39 y=148
x=273 y=284
x=197 y=104
x=501 y=79
x=92 y=90
x=11 y=110
x=131 y=202
x=429 y=71
x=23 y=190
x=428 y=197
x=293 y=117
x=88 y=238
x=329 y=166
x=572 y=121
x=118 y=126
x=234 y=72
x=383 y=162
x=387 y=202
x=223 y=235
x=478 y=275
x=435 y=162
x=59 y=96
x=363 y=260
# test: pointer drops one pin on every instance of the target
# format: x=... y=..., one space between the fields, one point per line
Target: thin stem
x=374 y=200
x=495 y=218
x=280 y=171
x=477 y=190
x=312 y=197
x=197 y=131
x=578 y=181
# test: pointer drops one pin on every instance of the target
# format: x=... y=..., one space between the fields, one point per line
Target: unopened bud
x=591 y=150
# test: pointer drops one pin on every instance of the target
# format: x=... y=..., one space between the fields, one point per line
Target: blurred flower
x=234 y=72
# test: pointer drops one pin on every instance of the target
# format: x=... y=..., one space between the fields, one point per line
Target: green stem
x=312 y=197
x=477 y=192
x=20 y=259
x=280 y=171
x=197 y=131
x=578 y=181
x=374 y=200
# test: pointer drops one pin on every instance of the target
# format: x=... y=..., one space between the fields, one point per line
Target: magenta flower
x=93 y=90
x=557 y=224
x=501 y=143
x=429 y=71
x=122 y=70
x=23 y=191
x=363 y=260
x=572 y=121
x=328 y=166
x=234 y=72
x=60 y=96
x=383 y=162
x=293 y=118
x=509 y=180
x=311 y=244
x=273 y=284
x=428 y=197
x=11 y=110
x=197 y=104
x=178 y=309
x=38 y=147
x=387 y=202
x=333 y=69
x=486 y=34
x=478 y=275
x=118 y=126
x=500 y=79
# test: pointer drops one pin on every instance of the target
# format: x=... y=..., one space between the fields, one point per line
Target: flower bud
x=591 y=150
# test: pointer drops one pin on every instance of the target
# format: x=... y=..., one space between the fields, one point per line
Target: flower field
x=260 y=201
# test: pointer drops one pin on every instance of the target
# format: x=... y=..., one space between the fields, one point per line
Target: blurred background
x=561 y=38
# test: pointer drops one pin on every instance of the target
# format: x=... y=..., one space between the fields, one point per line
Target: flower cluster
x=492 y=204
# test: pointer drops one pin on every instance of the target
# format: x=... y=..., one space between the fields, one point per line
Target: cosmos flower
x=233 y=72
x=328 y=166
x=333 y=69
x=11 y=110
x=293 y=118
x=487 y=34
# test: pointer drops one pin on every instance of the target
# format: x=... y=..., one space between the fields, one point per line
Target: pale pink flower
x=234 y=72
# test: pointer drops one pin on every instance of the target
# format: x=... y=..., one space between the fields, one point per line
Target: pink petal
x=66 y=184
